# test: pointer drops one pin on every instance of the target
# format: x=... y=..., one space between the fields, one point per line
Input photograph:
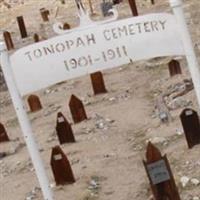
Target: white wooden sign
x=95 y=48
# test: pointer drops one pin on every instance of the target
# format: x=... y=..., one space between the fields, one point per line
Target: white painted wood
x=24 y=123
x=94 y=49
x=188 y=46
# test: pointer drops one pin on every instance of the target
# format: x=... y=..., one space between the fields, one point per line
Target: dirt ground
x=111 y=145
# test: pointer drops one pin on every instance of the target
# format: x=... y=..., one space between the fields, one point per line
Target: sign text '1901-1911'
x=89 y=60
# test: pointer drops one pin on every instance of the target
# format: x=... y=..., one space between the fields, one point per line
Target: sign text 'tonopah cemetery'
x=95 y=48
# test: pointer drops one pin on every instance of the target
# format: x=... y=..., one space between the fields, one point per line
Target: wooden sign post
x=91 y=7
x=98 y=83
x=191 y=127
x=61 y=168
x=3 y=134
x=8 y=40
x=160 y=176
x=34 y=103
x=133 y=7
x=22 y=27
x=64 y=130
x=77 y=109
x=174 y=68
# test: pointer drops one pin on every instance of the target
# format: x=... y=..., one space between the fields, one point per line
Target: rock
x=3 y=154
x=179 y=132
x=112 y=99
x=48 y=91
x=184 y=181
x=158 y=140
x=195 y=181
x=179 y=102
x=31 y=197
x=110 y=120
x=196 y=198
x=52 y=185
x=93 y=183
x=100 y=125
x=162 y=109
x=51 y=139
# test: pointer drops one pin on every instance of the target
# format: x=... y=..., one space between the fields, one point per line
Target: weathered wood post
x=117 y=1
x=152 y=2
x=22 y=27
x=62 y=1
x=160 y=175
x=91 y=7
x=64 y=130
x=133 y=7
x=191 y=126
x=77 y=109
x=3 y=134
x=98 y=84
x=61 y=167
x=8 y=40
x=174 y=68
x=66 y=26
x=36 y=37
x=34 y=103
x=45 y=14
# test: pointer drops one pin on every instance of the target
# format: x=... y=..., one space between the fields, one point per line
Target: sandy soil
x=110 y=155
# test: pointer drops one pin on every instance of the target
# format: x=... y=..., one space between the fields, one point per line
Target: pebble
x=195 y=181
x=196 y=198
x=179 y=132
x=158 y=140
x=184 y=181
x=112 y=99
x=3 y=154
x=179 y=102
x=52 y=185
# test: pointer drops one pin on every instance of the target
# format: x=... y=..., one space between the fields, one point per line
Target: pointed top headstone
x=153 y=154
x=61 y=167
x=160 y=175
x=64 y=130
x=3 y=134
x=77 y=109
